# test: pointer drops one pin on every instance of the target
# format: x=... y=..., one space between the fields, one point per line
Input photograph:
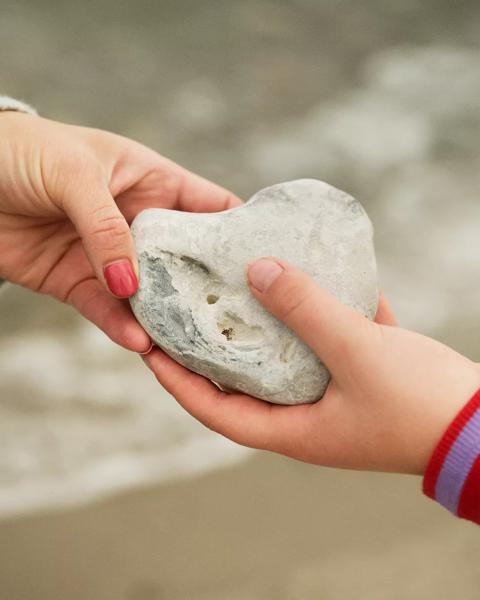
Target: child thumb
x=330 y=328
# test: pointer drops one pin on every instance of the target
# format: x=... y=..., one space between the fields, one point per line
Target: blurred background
x=107 y=490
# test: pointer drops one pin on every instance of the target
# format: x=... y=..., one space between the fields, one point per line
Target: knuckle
x=291 y=302
x=108 y=228
x=110 y=321
x=229 y=201
x=170 y=183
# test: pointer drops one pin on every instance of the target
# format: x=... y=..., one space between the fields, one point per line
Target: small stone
x=194 y=302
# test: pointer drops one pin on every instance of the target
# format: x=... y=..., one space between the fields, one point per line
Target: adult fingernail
x=262 y=273
x=147 y=351
x=121 y=279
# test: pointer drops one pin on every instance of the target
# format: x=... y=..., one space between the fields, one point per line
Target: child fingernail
x=262 y=273
x=121 y=279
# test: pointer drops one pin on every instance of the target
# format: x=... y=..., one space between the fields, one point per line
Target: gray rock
x=194 y=302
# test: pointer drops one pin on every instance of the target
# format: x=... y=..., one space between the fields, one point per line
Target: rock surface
x=194 y=302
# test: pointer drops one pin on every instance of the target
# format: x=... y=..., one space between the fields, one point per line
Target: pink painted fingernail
x=121 y=279
x=262 y=273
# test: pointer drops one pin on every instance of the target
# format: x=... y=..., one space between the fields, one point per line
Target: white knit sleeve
x=7 y=103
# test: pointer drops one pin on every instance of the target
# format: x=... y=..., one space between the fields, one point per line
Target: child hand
x=67 y=195
x=393 y=392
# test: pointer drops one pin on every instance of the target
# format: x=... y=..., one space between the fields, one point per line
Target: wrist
x=452 y=476
x=447 y=399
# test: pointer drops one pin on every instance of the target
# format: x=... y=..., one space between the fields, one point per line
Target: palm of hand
x=316 y=433
x=43 y=250
x=392 y=394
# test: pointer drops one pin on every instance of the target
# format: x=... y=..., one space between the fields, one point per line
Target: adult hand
x=67 y=195
x=392 y=394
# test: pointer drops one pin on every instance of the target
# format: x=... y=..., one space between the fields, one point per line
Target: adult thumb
x=335 y=332
x=105 y=236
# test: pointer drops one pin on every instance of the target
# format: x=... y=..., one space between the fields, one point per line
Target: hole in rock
x=212 y=298
x=228 y=333
x=235 y=329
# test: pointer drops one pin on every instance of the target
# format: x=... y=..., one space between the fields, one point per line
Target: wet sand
x=268 y=529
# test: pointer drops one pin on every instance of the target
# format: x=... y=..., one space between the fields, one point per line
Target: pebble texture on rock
x=194 y=302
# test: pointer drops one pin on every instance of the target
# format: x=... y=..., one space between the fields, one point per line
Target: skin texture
x=67 y=195
x=392 y=395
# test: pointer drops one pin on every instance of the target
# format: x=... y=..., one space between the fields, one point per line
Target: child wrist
x=452 y=477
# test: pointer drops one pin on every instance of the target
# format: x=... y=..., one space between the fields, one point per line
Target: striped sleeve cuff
x=452 y=477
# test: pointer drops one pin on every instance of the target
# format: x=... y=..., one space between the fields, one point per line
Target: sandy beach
x=268 y=529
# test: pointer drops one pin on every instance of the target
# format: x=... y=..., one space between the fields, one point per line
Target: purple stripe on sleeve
x=458 y=464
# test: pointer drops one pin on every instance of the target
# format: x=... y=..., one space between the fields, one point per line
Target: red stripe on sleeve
x=446 y=442
x=469 y=505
